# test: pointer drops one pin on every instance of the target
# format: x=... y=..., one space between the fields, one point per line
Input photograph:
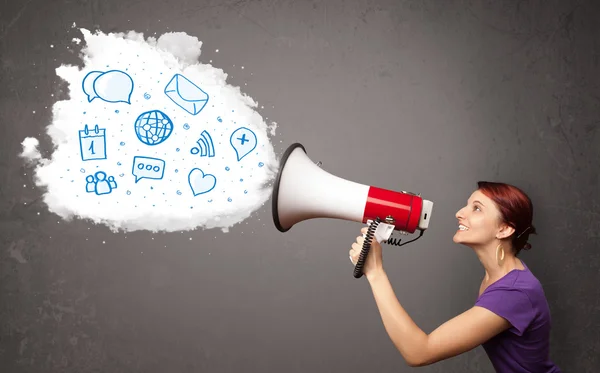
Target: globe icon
x=153 y=127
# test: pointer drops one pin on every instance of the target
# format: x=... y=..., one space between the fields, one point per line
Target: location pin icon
x=243 y=141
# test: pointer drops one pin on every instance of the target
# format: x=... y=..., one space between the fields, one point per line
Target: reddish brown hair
x=516 y=210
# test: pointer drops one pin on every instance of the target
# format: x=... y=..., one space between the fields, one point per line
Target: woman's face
x=478 y=221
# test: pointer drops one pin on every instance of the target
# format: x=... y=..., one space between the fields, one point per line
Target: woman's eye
x=476 y=208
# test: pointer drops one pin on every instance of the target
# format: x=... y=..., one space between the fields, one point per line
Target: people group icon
x=100 y=184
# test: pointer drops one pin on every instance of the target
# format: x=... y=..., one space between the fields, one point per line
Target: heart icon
x=200 y=182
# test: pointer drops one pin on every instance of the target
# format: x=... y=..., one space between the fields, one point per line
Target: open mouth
x=462 y=228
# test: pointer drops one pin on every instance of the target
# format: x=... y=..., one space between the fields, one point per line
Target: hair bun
x=527 y=246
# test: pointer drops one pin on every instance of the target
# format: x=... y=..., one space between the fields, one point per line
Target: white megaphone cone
x=304 y=191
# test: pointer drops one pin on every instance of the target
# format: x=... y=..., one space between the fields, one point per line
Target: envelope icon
x=186 y=94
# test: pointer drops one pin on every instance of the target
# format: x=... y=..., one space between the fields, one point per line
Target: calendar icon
x=92 y=144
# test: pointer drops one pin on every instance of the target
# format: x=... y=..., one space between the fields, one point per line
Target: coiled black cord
x=358 y=268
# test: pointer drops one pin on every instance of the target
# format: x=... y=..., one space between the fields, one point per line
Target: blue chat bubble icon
x=148 y=168
x=243 y=141
x=110 y=86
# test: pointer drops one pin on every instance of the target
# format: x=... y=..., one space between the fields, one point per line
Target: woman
x=510 y=318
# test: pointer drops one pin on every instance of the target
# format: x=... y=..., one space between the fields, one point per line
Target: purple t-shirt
x=524 y=348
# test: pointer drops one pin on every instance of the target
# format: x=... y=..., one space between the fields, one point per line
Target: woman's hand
x=374 y=263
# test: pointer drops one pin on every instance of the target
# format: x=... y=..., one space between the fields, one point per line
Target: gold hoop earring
x=500 y=260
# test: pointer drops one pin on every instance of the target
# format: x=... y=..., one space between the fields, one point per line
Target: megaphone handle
x=358 y=268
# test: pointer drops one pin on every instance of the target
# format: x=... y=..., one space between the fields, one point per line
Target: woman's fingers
x=354 y=252
x=352 y=255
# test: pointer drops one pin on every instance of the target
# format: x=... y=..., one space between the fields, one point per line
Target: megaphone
x=303 y=191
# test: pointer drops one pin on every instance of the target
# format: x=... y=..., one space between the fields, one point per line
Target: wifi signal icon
x=205 y=146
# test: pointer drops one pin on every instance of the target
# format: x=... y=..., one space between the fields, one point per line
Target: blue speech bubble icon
x=110 y=86
x=148 y=168
x=243 y=141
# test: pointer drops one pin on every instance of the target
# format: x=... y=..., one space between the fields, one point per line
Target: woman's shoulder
x=526 y=283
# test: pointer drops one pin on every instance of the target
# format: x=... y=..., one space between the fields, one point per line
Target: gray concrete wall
x=425 y=96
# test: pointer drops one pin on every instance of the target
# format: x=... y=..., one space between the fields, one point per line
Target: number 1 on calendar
x=92 y=143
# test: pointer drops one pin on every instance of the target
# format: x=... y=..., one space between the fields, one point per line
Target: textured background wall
x=425 y=96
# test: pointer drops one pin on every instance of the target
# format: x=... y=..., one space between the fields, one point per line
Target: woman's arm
x=458 y=335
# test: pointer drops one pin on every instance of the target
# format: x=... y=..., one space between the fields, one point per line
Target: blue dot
x=179 y=192
x=245 y=192
x=122 y=143
x=82 y=171
x=227 y=168
x=128 y=192
x=186 y=126
x=118 y=163
x=117 y=111
x=176 y=170
x=177 y=149
x=229 y=199
x=241 y=179
x=260 y=164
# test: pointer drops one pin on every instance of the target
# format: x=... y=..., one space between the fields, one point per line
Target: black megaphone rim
x=275 y=197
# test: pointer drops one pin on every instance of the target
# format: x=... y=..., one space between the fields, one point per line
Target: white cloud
x=127 y=77
x=30 y=150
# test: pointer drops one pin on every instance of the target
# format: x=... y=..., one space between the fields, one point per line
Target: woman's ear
x=505 y=231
